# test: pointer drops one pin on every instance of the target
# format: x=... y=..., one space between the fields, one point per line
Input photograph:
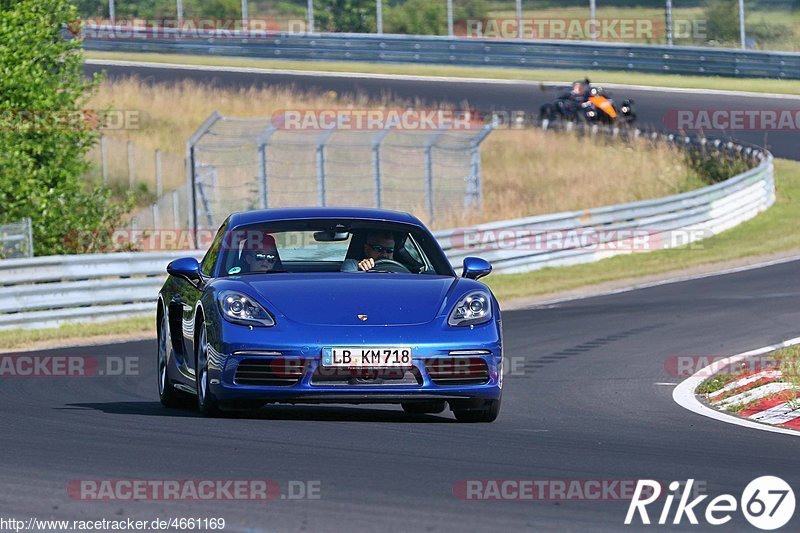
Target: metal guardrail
x=519 y=53
x=46 y=291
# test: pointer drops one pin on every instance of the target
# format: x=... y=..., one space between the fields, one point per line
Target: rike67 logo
x=767 y=503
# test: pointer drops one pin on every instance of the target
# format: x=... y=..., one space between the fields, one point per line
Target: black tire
x=548 y=112
x=206 y=403
x=432 y=407
x=486 y=414
x=167 y=393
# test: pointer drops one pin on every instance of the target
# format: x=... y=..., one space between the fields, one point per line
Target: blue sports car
x=329 y=305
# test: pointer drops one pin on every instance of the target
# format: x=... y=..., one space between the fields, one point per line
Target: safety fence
x=243 y=164
x=44 y=291
x=521 y=53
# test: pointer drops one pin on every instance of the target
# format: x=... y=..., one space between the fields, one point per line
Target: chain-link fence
x=764 y=24
x=16 y=240
x=125 y=166
x=238 y=164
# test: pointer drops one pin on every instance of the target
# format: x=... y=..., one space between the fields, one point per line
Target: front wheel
x=488 y=413
x=206 y=403
x=167 y=393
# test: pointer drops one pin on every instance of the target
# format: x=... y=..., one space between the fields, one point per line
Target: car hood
x=338 y=299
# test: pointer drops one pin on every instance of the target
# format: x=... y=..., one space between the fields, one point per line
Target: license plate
x=363 y=357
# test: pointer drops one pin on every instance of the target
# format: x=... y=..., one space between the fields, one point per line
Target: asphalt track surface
x=656 y=109
x=586 y=400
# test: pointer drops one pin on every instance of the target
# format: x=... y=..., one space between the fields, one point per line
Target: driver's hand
x=366 y=264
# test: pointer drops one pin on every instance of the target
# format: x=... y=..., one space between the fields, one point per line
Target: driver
x=262 y=259
x=378 y=245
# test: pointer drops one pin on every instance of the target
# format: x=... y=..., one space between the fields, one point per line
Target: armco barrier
x=46 y=291
x=518 y=53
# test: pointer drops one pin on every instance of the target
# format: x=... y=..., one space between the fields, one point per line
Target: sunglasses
x=261 y=256
x=381 y=249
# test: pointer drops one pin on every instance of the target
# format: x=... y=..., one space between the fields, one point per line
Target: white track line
x=685 y=397
x=408 y=77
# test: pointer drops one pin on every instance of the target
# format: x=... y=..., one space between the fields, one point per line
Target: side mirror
x=186 y=267
x=476 y=268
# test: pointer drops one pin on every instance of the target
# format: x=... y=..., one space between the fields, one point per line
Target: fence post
x=322 y=193
x=104 y=159
x=519 y=19
x=129 y=147
x=159 y=182
x=450 y=18
x=179 y=12
x=742 y=34
x=190 y=171
x=376 y=164
x=29 y=224
x=263 y=185
x=155 y=216
x=175 y=209
x=429 y=173
x=112 y=12
x=244 y=15
x=669 y=22
x=476 y=177
x=310 y=14
x=379 y=15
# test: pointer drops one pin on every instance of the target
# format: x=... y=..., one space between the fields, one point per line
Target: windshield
x=330 y=246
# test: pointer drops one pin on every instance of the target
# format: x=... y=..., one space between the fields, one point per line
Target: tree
x=352 y=16
x=723 y=20
x=44 y=132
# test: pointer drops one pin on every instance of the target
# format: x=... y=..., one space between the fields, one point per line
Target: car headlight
x=241 y=309
x=474 y=308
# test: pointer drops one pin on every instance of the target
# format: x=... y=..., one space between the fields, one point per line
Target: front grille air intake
x=457 y=370
x=268 y=372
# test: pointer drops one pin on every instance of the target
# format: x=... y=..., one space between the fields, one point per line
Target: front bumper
x=315 y=384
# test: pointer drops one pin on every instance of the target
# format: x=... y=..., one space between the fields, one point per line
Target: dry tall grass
x=525 y=172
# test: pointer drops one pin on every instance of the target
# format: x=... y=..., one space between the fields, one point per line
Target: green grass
x=789 y=363
x=10 y=339
x=553 y=75
x=715 y=383
x=772 y=231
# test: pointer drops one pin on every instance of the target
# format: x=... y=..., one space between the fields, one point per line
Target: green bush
x=714 y=167
x=423 y=17
x=43 y=135
x=723 y=20
x=352 y=16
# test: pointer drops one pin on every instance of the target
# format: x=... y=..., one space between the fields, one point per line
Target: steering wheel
x=390 y=265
